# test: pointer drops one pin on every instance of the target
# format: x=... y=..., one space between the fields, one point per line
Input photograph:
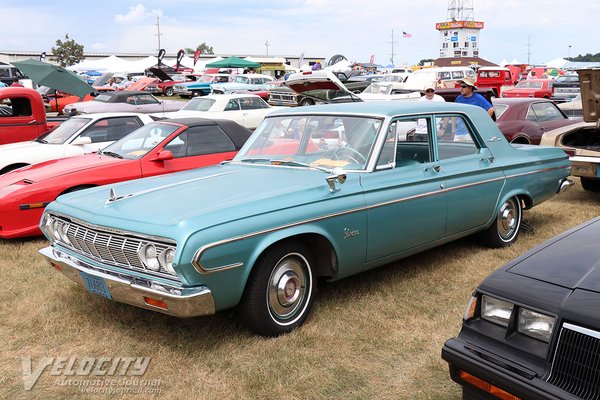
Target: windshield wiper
x=110 y=154
x=41 y=140
x=255 y=160
x=299 y=164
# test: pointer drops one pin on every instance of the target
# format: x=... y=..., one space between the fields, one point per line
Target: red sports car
x=541 y=88
x=157 y=148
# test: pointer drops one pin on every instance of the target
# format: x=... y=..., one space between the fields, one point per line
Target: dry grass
x=377 y=335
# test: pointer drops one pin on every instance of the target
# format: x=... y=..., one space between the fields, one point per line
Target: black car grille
x=576 y=364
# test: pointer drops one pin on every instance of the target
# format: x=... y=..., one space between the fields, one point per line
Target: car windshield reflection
x=315 y=141
x=141 y=141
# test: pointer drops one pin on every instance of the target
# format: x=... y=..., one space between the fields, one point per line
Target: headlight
x=62 y=232
x=495 y=310
x=49 y=228
x=535 y=324
x=149 y=257
x=167 y=260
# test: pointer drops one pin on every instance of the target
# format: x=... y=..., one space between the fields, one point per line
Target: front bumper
x=508 y=376
x=192 y=302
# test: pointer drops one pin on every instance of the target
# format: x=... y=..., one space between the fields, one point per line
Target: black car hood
x=571 y=260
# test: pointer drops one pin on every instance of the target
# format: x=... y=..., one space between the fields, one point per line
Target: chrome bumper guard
x=565 y=184
x=191 y=302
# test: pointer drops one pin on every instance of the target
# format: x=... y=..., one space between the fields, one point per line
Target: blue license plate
x=95 y=284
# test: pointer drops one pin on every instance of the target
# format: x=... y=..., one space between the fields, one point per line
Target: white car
x=77 y=135
x=246 y=109
x=387 y=91
x=242 y=82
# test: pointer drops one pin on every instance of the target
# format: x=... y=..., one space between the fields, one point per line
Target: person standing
x=468 y=96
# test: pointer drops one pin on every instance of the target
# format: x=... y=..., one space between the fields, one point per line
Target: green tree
x=588 y=57
x=68 y=52
x=203 y=47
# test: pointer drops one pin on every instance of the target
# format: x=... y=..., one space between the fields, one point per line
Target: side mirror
x=81 y=140
x=162 y=156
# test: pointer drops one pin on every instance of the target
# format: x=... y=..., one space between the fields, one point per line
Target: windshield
x=379 y=88
x=65 y=130
x=198 y=104
x=103 y=98
x=141 y=141
x=320 y=141
x=528 y=85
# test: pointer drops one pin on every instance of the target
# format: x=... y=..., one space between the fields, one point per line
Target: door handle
x=437 y=168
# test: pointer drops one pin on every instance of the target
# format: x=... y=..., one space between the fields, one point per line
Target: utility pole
x=569 y=51
x=529 y=49
x=158 y=30
x=392 y=55
x=267 y=47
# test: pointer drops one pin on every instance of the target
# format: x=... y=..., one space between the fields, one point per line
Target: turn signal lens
x=156 y=303
x=471 y=307
x=487 y=387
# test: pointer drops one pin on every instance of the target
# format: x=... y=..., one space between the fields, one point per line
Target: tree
x=203 y=47
x=68 y=52
x=588 y=57
x=425 y=61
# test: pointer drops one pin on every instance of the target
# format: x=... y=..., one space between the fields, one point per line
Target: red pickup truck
x=26 y=118
x=499 y=79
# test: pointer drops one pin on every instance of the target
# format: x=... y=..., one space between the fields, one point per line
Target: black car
x=532 y=328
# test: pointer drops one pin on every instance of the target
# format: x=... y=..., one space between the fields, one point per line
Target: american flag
x=406 y=35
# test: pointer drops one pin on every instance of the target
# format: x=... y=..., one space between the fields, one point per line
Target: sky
x=531 y=31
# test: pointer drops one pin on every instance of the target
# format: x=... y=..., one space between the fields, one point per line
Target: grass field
x=377 y=335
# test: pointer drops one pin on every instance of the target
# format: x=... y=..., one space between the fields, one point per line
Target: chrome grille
x=576 y=364
x=112 y=248
x=282 y=96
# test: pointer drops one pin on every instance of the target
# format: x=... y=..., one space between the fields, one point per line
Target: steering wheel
x=356 y=153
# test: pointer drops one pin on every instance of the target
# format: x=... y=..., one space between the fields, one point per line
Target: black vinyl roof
x=236 y=132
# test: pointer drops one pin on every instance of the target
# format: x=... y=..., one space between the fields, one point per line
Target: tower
x=459 y=34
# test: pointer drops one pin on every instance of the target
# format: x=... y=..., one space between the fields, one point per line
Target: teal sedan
x=323 y=191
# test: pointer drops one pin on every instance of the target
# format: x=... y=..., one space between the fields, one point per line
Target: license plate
x=95 y=284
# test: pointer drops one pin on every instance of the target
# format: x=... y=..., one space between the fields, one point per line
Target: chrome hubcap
x=287 y=288
x=508 y=219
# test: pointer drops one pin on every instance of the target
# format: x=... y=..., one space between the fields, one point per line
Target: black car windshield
x=325 y=141
x=141 y=141
x=64 y=131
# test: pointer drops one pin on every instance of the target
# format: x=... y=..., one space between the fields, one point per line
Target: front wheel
x=280 y=290
x=169 y=92
x=307 y=102
x=505 y=228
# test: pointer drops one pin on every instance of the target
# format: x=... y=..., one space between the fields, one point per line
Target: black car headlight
x=535 y=324
x=496 y=310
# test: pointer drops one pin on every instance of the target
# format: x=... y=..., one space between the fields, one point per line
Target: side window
x=531 y=114
x=232 y=105
x=21 y=107
x=406 y=143
x=457 y=75
x=108 y=130
x=200 y=140
x=455 y=138
x=546 y=111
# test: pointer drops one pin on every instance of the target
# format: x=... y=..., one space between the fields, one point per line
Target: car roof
x=236 y=132
x=377 y=108
x=520 y=100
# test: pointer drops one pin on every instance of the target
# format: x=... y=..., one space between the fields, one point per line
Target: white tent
x=110 y=64
x=556 y=63
x=340 y=66
x=201 y=64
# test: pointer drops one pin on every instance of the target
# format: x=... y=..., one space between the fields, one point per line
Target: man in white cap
x=430 y=95
x=468 y=96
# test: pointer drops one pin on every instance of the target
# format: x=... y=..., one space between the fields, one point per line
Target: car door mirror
x=162 y=156
x=81 y=141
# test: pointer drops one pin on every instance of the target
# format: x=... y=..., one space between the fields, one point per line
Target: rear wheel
x=169 y=92
x=280 y=290
x=307 y=102
x=590 y=184
x=505 y=228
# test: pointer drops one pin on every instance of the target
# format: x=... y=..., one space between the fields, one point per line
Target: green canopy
x=233 y=62
x=54 y=77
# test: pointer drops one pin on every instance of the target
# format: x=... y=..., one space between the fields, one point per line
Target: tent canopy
x=233 y=62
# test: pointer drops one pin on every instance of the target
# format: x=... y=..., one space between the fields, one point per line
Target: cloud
x=137 y=14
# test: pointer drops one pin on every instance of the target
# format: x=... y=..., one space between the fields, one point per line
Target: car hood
x=199 y=198
x=570 y=260
x=25 y=152
x=589 y=81
x=60 y=168
x=323 y=86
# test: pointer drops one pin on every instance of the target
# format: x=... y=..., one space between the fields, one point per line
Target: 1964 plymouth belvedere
x=324 y=191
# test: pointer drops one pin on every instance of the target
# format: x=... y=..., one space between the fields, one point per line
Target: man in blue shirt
x=468 y=96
